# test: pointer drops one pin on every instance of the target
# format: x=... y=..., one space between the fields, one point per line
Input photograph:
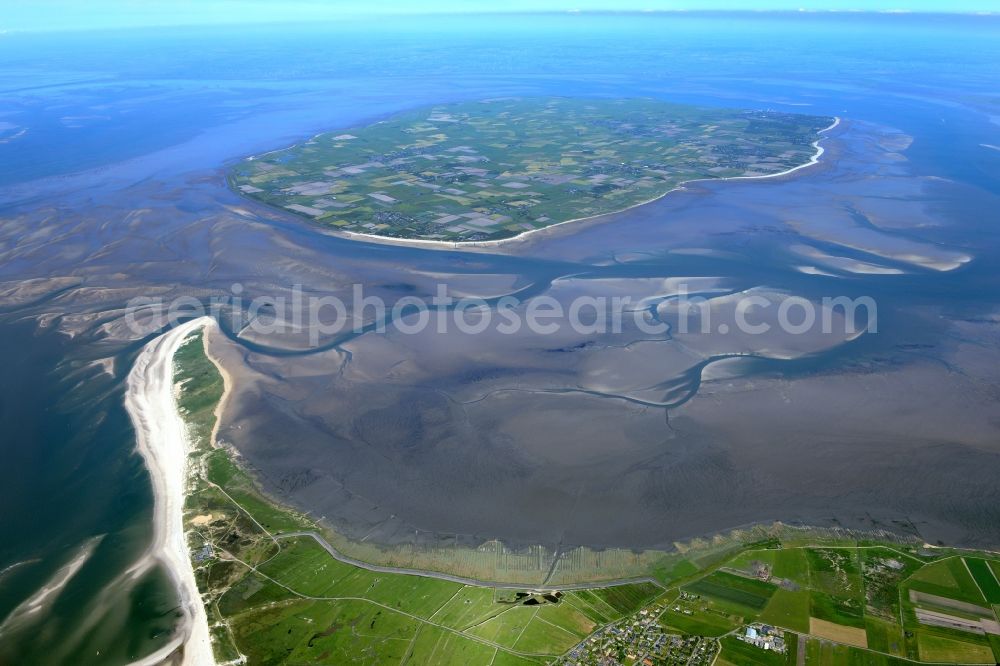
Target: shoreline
x=523 y=236
x=162 y=441
x=375 y=564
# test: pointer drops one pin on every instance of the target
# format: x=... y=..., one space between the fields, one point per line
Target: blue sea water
x=83 y=116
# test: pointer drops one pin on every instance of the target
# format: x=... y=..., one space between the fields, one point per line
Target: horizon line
x=354 y=16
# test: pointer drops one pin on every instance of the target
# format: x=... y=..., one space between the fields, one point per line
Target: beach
x=162 y=440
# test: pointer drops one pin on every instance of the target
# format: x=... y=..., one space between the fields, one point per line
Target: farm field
x=737 y=653
x=493 y=169
x=844 y=604
x=738 y=593
x=275 y=594
x=283 y=597
x=788 y=608
x=983 y=574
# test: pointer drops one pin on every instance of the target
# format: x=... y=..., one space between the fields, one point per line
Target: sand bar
x=162 y=440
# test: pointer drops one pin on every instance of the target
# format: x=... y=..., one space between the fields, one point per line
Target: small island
x=496 y=169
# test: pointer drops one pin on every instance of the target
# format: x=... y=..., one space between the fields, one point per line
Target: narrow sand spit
x=161 y=439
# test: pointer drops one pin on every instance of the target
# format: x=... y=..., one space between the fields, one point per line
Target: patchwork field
x=497 y=168
x=275 y=595
x=847 y=604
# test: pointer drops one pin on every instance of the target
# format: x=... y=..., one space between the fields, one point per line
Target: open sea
x=113 y=150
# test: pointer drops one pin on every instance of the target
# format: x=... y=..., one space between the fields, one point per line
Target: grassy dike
x=272 y=597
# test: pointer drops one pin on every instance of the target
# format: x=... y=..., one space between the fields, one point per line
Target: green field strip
x=982 y=573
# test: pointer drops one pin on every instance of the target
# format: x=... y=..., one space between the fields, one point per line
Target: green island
x=494 y=169
x=275 y=593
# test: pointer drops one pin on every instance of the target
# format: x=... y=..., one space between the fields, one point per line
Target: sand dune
x=162 y=441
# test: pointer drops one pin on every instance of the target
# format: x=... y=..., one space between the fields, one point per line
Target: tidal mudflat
x=631 y=440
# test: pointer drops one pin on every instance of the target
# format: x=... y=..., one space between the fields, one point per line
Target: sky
x=19 y=15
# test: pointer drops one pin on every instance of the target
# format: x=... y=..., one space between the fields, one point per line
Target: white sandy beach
x=162 y=441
